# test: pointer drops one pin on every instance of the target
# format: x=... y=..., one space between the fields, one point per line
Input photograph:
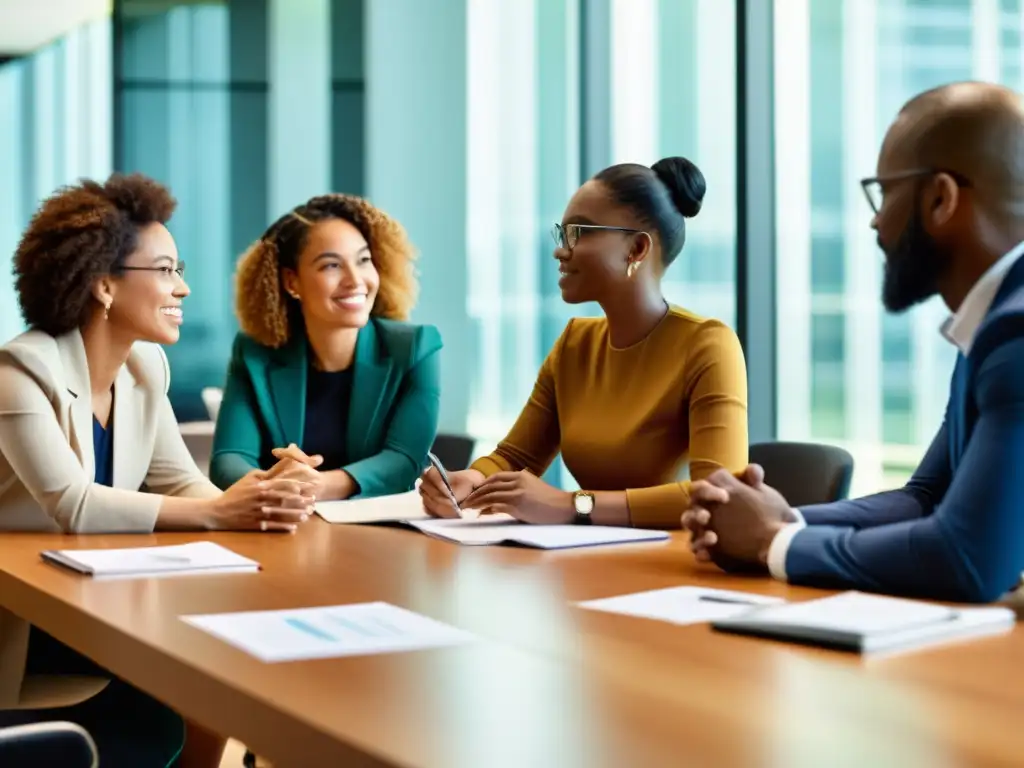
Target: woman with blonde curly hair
x=326 y=376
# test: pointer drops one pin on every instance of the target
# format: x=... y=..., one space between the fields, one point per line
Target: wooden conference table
x=550 y=685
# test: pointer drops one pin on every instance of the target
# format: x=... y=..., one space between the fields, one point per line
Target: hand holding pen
x=443 y=492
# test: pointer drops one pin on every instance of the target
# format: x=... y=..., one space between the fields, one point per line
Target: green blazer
x=393 y=412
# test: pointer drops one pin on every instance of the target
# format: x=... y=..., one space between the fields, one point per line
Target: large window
x=654 y=96
x=182 y=104
x=523 y=165
x=473 y=121
x=848 y=373
x=673 y=92
x=55 y=128
x=225 y=103
x=231 y=104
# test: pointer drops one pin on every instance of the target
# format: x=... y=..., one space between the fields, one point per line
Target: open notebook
x=199 y=557
x=406 y=509
x=865 y=623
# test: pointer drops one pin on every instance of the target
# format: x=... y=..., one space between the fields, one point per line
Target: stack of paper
x=682 y=605
x=200 y=557
x=406 y=509
x=867 y=623
x=396 y=508
x=333 y=631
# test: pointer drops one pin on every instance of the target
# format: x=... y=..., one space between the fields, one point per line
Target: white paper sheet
x=682 y=605
x=329 y=632
x=377 y=509
x=504 y=529
x=393 y=508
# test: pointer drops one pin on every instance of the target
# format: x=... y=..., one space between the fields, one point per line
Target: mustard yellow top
x=632 y=419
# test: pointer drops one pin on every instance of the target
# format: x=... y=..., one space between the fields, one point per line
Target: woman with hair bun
x=634 y=401
x=327 y=379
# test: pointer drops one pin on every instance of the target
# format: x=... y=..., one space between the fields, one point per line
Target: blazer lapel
x=372 y=370
x=287 y=377
x=127 y=417
x=957 y=412
x=1013 y=280
x=76 y=372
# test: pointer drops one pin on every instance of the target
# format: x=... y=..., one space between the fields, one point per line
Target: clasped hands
x=281 y=497
x=522 y=495
x=732 y=519
x=294 y=464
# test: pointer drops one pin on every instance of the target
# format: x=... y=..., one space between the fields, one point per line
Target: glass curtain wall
x=673 y=92
x=464 y=119
x=473 y=122
x=872 y=382
x=56 y=127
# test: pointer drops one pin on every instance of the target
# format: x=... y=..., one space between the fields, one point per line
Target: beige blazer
x=47 y=465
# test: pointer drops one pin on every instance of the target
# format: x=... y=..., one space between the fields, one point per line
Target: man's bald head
x=975 y=129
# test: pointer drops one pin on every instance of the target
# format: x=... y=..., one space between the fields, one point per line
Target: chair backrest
x=54 y=743
x=454 y=451
x=805 y=473
x=211 y=399
x=198 y=436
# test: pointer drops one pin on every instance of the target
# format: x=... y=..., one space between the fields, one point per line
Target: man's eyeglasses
x=566 y=236
x=874 y=187
x=166 y=270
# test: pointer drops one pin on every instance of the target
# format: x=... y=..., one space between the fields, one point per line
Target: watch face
x=584 y=503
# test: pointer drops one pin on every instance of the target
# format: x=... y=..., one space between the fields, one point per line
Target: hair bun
x=685 y=183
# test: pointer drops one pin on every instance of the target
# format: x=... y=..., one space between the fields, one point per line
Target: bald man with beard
x=948 y=202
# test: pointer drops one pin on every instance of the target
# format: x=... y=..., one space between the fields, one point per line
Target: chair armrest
x=51 y=743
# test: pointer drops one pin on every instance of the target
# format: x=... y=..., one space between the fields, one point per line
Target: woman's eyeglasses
x=567 y=235
x=166 y=271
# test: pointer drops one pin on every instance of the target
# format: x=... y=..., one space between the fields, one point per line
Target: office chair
x=454 y=451
x=805 y=473
x=56 y=743
x=198 y=437
x=212 y=397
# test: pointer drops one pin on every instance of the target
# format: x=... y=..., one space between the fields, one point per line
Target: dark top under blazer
x=328 y=400
x=392 y=415
x=103 y=450
x=956 y=530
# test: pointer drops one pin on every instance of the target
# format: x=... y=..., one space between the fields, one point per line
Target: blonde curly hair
x=270 y=316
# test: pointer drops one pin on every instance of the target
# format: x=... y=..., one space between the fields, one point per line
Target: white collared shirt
x=959 y=329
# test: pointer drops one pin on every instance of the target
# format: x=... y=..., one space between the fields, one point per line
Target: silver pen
x=436 y=463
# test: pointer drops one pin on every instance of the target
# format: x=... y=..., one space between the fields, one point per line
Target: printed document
x=319 y=633
x=682 y=605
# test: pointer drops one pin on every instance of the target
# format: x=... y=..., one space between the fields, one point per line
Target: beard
x=913 y=267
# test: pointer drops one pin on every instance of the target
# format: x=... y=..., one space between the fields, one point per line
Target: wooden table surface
x=550 y=685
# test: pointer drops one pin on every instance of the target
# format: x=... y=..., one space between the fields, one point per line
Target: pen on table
x=436 y=463
x=730 y=600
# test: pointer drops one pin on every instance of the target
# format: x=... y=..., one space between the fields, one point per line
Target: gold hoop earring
x=106 y=311
x=631 y=269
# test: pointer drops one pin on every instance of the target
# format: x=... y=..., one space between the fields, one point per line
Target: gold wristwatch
x=583 y=502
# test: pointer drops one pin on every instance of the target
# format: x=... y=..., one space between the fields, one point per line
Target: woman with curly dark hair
x=326 y=373
x=86 y=425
